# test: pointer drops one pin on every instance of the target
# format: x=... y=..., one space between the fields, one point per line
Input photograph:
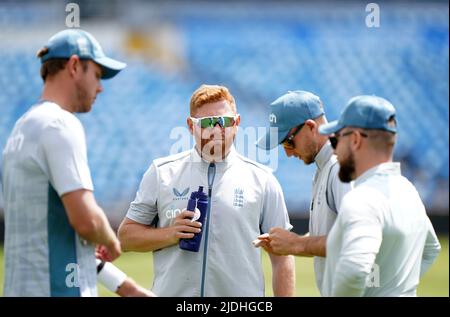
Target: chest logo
x=180 y=195
x=238 y=200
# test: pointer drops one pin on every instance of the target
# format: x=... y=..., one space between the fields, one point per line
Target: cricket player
x=382 y=241
x=295 y=119
x=52 y=221
x=245 y=200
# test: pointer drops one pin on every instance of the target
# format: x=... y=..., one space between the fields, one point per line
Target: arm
x=431 y=249
x=283 y=275
x=62 y=145
x=117 y=281
x=129 y=288
x=361 y=240
x=90 y=222
x=135 y=236
x=283 y=242
x=136 y=232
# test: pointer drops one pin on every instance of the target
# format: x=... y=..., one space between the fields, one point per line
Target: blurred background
x=259 y=50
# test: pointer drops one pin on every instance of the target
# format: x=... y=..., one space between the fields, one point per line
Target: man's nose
x=99 y=88
x=218 y=130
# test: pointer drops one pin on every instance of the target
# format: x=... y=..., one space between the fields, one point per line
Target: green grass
x=139 y=266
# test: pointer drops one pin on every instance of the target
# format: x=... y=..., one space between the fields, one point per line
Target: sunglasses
x=210 y=122
x=335 y=139
x=289 y=140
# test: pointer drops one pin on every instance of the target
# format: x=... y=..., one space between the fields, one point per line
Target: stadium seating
x=405 y=61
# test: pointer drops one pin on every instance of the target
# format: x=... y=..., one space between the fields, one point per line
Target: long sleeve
x=361 y=240
x=431 y=249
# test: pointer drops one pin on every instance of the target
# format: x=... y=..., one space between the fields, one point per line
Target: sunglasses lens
x=228 y=122
x=333 y=141
x=210 y=122
x=206 y=123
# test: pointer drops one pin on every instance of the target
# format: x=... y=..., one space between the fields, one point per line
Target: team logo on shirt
x=180 y=195
x=238 y=198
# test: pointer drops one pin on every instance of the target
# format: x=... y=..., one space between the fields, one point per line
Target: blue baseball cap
x=288 y=111
x=70 y=42
x=367 y=112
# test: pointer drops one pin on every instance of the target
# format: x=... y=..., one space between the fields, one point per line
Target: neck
x=56 y=93
x=321 y=142
x=369 y=161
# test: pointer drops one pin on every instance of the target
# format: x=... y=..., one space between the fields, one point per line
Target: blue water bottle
x=198 y=200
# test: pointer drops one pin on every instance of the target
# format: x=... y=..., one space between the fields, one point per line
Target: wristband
x=109 y=275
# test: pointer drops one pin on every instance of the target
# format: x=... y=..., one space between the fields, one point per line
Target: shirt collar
x=324 y=155
x=389 y=168
x=220 y=166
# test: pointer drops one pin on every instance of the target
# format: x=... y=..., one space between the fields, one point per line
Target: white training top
x=247 y=200
x=45 y=157
x=327 y=194
x=382 y=240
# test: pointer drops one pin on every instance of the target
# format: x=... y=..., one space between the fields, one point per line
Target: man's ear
x=312 y=125
x=238 y=120
x=190 y=125
x=356 y=141
x=73 y=64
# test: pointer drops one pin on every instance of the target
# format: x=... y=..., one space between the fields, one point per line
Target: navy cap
x=288 y=111
x=367 y=112
x=70 y=42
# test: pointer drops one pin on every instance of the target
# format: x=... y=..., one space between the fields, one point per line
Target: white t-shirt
x=382 y=240
x=246 y=201
x=45 y=157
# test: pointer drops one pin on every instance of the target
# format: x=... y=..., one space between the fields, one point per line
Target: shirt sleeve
x=431 y=249
x=144 y=207
x=274 y=213
x=64 y=148
x=336 y=189
x=361 y=225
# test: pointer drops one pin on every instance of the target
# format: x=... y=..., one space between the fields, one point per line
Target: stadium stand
x=259 y=56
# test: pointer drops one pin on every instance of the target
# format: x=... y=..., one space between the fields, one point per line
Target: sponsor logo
x=180 y=195
x=173 y=212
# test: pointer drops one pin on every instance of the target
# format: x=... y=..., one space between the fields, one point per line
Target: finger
x=185 y=214
x=264 y=236
x=187 y=222
x=257 y=243
x=266 y=248
x=188 y=229
x=184 y=235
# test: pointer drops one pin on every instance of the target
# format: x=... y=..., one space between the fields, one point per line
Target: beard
x=215 y=146
x=213 y=149
x=347 y=169
x=84 y=103
x=310 y=153
x=308 y=159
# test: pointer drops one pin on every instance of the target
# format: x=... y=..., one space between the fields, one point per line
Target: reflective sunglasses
x=210 y=122
x=335 y=139
x=289 y=140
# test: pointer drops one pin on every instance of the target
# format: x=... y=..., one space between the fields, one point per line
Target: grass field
x=139 y=267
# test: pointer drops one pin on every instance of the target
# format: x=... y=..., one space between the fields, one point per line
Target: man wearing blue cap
x=382 y=241
x=294 y=122
x=52 y=221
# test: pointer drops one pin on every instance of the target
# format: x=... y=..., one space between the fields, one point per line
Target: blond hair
x=208 y=94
